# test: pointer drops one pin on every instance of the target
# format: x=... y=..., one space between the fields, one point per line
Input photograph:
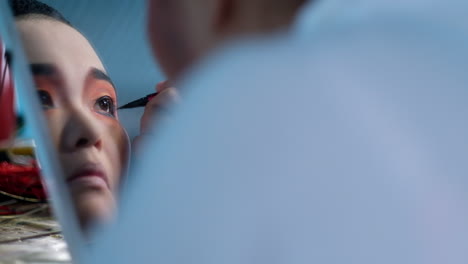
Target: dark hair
x=25 y=8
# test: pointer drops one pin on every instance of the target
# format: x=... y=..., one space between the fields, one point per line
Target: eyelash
x=105 y=105
x=45 y=99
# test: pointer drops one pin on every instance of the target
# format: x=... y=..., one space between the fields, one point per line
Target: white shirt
x=349 y=146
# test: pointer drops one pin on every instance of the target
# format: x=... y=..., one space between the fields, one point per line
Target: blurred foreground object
x=345 y=145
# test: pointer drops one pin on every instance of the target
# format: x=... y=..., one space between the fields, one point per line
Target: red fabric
x=7 y=99
x=21 y=181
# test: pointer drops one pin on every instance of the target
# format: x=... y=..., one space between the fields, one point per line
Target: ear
x=225 y=12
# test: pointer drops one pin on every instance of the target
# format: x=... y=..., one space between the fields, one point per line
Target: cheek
x=55 y=124
x=167 y=33
x=160 y=39
x=154 y=26
x=117 y=152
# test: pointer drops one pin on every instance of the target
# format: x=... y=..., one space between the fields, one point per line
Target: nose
x=80 y=132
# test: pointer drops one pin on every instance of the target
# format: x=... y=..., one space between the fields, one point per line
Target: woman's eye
x=46 y=99
x=105 y=105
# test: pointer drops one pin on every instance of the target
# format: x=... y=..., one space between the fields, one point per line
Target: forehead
x=53 y=42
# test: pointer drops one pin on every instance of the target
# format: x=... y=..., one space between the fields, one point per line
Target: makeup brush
x=139 y=102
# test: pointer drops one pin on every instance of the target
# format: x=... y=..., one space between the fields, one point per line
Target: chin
x=94 y=207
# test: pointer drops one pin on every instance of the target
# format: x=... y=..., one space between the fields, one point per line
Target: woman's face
x=79 y=101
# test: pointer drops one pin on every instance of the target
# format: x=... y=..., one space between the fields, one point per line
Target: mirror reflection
x=79 y=101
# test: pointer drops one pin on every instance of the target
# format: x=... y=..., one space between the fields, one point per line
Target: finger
x=163 y=99
x=162 y=86
x=154 y=109
x=167 y=96
x=158 y=107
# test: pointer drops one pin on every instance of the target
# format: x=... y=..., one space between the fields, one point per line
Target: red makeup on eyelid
x=45 y=84
x=97 y=89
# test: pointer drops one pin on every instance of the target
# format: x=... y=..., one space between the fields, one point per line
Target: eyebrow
x=43 y=69
x=100 y=75
x=47 y=69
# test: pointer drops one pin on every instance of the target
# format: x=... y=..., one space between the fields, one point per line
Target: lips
x=90 y=174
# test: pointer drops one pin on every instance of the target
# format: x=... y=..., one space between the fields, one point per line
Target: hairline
x=33 y=16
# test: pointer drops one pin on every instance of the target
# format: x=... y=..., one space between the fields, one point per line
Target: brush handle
x=139 y=102
x=151 y=96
